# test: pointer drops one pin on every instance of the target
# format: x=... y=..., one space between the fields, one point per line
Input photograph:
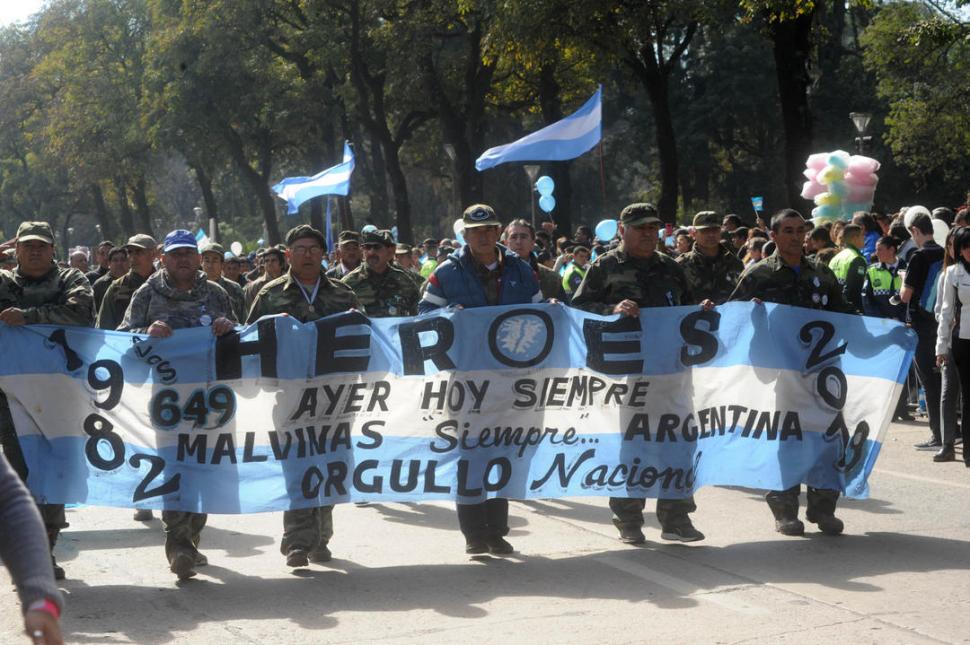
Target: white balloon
x=236 y=248
x=912 y=212
x=940 y=231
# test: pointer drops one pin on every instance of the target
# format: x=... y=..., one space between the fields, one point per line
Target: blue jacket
x=455 y=282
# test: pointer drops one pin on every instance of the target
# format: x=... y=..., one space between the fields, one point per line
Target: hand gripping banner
x=523 y=402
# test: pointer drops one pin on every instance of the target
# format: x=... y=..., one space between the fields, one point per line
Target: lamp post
x=861 y=122
x=532 y=170
x=452 y=155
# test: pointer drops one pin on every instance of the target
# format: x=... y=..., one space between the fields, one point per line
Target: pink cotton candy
x=818 y=160
x=859 y=165
x=854 y=179
x=812 y=188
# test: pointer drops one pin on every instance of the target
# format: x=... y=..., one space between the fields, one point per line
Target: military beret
x=302 y=231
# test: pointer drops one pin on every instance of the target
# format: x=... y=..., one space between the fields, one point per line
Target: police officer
x=306 y=294
x=382 y=288
x=141 y=258
x=849 y=266
x=632 y=276
x=38 y=292
x=213 y=256
x=573 y=276
x=481 y=273
x=176 y=297
x=348 y=242
x=712 y=269
x=788 y=277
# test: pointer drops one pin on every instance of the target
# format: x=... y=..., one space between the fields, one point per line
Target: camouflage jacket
x=392 y=293
x=116 y=299
x=60 y=297
x=814 y=286
x=236 y=297
x=100 y=287
x=656 y=281
x=711 y=278
x=284 y=296
x=550 y=283
x=252 y=288
x=158 y=300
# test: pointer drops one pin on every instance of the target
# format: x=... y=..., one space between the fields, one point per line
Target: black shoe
x=684 y=533
x=932 y=444
x=945 y=454
x=183 y=565
x=632 y=535
x=827 y=524
x=200 y=560
x=143 y=515
x=320 y=554
x=790 y=527
x=58 y=569
x=297 y=558
x=476 y=547
x=498 y=546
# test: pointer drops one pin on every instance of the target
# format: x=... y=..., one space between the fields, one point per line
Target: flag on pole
x=565 y=139
x=201 y=238
x=332 y=181
x=758 y=203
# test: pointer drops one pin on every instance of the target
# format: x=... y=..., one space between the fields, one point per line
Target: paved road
x=899 y=575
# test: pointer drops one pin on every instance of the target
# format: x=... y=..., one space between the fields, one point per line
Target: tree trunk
x=402 y=203
x=658 y=92
x=257 y=184
x=208 y=198
x=127 y=221
x=101 y=213
x=791 y=40
x=140 y=194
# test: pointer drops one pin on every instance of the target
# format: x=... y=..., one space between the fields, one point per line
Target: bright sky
x=17 y=10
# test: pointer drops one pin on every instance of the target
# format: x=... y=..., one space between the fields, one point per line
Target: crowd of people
x=881 y=265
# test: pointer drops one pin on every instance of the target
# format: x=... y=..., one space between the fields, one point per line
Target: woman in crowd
x=953 y=340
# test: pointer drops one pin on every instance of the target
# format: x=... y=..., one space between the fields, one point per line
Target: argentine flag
x=565 y=139
x=332 y=181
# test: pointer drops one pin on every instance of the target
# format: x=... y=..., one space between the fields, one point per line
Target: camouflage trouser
x=784 y=503
x=306 y=528
x=671 y=513
x=182 y=532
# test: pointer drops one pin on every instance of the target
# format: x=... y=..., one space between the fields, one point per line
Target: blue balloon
x=370 y=228
x=394 y=233
x=606 y=230
x=545 y=185
x=547 y=203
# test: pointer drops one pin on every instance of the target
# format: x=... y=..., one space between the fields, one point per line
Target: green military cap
x=388 y=237
x=35 y=231
x=348 y=236
x=430 y=242
x=372 y=237
x=142 y=241
x=707 y=219
x=640 y=213
x=401 y=249
x=306 y=231
x=479 y=215
x=212 y=247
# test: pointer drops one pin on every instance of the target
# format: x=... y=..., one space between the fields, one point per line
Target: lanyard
x=310 y=298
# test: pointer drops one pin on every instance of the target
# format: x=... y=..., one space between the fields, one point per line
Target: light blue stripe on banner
x=763 y=336
x=584 y=468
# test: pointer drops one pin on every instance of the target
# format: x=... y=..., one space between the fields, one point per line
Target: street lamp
x=861 y=122
x=450 y=151
x=532 y=170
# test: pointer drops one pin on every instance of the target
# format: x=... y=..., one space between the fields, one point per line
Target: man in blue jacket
x=482 y=273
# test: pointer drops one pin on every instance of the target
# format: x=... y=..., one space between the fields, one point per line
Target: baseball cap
x=307 y=231
x=142 y=241
x=372 y=237
x=35 y=231
x=639 y=213
x=479 y=215
x=348 y=236
x=212 y=247
x=180 y=239
x=707 y=219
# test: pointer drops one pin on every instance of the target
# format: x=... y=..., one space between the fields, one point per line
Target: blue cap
x=179 y=239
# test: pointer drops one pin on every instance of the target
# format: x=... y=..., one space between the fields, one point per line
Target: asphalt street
x=400 y=575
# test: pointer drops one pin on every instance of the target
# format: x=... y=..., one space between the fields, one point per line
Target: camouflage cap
x=10 y=255
x=478 y=215
x=35 y=231
x=306 y=231
x=401 y=249
x=388 y=237
x=706 y=219
x=212 y=247
x=372 y=237
x=348 y=236
x=142 y=241
x=639 y=213
x=430 y=242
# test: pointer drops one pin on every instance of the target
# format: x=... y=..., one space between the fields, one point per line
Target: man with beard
x=382 y=288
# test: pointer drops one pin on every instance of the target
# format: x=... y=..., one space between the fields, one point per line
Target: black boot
x=784 y=506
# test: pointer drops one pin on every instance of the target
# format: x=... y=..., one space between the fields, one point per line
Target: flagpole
x=602 y=177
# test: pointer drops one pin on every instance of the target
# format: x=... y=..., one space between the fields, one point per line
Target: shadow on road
x=233 y=543
x=313 y=599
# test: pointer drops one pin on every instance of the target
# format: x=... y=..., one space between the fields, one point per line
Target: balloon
x=260 y=241
x=394 y=233
x=370 y=228
x=940 y=231
x=606 y=230
x=859 y=165
x=818 y=160
x=545 y=185
x=812 y=188
x=839 y=159
x=829 y=174
x=827 y=199
x=839 y=189
x=912 y=212
x=236 y=248
x=547 y=203
x=861 y=180
x=459 y=229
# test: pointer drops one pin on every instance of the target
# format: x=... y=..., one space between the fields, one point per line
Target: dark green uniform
x=307 y=529
x=388 y=294
x=99 y=287
x=205 y=302
x=711 y=278
x=813 y=286
x=549 y=282
x=252 y=288
x=116 y=300
x=657 y=281
x=60 y=297
x=236 y=298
